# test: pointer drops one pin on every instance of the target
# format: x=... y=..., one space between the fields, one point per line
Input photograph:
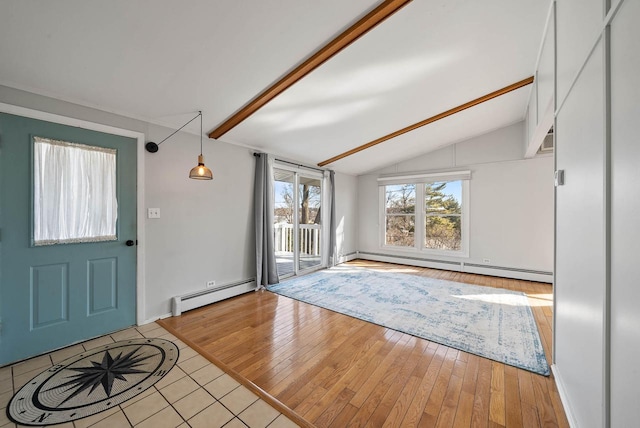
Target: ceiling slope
x=162 y=60
x=350 y=35
x=479 y=120
x=432 y=119
x=427 y=58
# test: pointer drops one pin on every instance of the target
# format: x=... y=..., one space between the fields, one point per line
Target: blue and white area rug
x=490 y=322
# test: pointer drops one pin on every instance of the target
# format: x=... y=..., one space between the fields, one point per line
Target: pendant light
x=200 y=171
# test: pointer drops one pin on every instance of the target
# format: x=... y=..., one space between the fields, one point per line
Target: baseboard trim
x=563 y=396
x=342 y=258
x=512 y=273
x=154 y=319
x=501 y=271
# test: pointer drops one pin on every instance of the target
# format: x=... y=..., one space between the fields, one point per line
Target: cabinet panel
x=580 y=275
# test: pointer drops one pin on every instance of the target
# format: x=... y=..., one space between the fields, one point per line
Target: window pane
x=74 y=193
x=283 y=196
x=309 y=195
x=443 y=232
x=283 y=216
x=443 y=197
x=309 y=232
x=400 y=199
x=400 y=230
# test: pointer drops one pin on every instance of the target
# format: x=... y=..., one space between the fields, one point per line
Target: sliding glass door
x=309 y=225
x=297 y=220
x=283 y=219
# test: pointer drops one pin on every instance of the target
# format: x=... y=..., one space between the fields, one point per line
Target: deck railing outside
x=309 y=238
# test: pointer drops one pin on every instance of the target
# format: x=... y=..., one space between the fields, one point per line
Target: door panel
x=49 y=295
x=55 y=295
x=580 y=244
x=309 y=227
x=102 y=285
x=284 y=240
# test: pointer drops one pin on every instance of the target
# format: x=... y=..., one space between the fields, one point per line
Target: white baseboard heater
x=180 y=304
x=482 y=269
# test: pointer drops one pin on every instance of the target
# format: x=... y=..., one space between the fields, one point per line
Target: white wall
x=597 y=340
x=206 y=228
x=511 y=202
x=346 y=215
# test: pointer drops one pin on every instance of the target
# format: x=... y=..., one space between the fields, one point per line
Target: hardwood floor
x=337 y=371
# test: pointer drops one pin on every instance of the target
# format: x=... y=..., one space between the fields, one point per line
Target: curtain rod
x=294 y=164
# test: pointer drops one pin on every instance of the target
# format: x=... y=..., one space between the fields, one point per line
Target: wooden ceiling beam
x=432 y=119
x=353 y=33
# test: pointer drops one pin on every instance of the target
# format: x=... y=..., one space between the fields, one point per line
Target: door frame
x=140 y=219
x=308 y=172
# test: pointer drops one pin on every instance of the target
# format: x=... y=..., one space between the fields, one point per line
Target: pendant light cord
x=177 y=130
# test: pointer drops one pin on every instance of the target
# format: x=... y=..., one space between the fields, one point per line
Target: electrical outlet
x=211 y=284
x=153 y=213
x=486 y=261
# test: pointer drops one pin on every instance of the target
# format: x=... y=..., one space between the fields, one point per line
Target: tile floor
x=195 y=393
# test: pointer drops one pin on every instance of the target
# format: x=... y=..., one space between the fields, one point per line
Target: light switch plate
x=153 y=213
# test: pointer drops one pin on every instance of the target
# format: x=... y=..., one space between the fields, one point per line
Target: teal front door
x=67 y=271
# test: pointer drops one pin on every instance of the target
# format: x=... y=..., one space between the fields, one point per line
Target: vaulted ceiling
x=162 y=60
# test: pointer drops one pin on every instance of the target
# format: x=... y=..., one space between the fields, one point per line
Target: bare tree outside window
x=309 y=204
x=283 y=212
x=310 y=194
x=400 y=206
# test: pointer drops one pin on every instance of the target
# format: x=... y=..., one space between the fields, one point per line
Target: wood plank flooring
x=337 y=371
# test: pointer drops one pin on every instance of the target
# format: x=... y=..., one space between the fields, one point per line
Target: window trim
x=425 y=178
x=420 y=217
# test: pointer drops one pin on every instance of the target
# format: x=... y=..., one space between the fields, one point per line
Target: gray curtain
x=332 y=255
x=266 y=267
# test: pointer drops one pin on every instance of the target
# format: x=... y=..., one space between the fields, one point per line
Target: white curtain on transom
x=74 y=193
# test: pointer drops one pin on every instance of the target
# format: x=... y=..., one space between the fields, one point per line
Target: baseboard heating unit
x=180 y=304
x=482 y=269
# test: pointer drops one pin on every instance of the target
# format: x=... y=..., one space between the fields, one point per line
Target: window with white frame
x=74 y=193
x=427 y=212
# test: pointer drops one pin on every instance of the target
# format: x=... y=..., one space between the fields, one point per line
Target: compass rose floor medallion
x=92 y=381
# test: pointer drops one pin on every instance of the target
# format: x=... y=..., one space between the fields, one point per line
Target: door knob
x=130 y=243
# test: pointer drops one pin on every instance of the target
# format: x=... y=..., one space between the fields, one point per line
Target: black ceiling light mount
x=151 y=147
x=200 y=171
